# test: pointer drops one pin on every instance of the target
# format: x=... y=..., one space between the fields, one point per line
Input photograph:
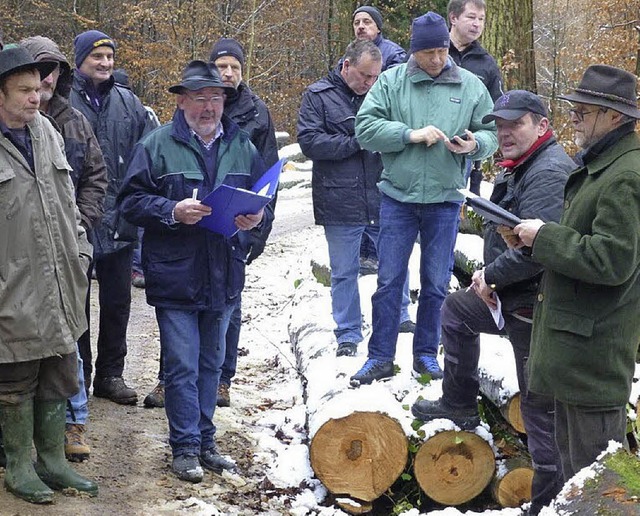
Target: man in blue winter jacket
x=193 y=276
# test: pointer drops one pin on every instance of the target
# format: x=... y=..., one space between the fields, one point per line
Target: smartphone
x=463 y=136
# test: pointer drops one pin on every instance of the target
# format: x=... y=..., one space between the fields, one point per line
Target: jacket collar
x=627 y=143
x=182 y=132
x=450 y=75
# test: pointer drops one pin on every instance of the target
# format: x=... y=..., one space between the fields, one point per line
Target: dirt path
x=130 y=453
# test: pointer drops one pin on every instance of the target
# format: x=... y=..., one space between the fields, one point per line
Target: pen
x=195 y=194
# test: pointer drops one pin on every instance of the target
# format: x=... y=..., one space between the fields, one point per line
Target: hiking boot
x=372 y=370
x=137 y=279
x=75 y=447
x=155 y=399
x=368 y=266
x=346 y=349
x=407 y=326
x=426 y=410
x=187 y=467
x=224 y=398
x=113 y=388
x=427 y=364
x=213 y=461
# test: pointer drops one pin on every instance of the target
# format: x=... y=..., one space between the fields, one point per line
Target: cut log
x=611 y=485
x=360 y=455
x=454 y=467
x=511 y=485
x=498 y=380
x=351 y=506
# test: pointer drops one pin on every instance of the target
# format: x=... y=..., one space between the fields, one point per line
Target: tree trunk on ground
x=454 y=467
x=511 y=486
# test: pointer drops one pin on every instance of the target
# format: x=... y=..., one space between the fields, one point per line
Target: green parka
x=44 y=253
x=586 y=324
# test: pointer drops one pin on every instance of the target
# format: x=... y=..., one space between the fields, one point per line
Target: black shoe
x=372 y=370
x=224 y=396
x=407 y=326
x=427 y=364
x=155 y=399
x=213 y=461
x=187 y=467
x=347 y=349
x=114 y=389
x=426 y=410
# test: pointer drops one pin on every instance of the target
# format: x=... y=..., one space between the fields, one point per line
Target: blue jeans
x=344 y=257
x=79 y=412
x=193 y=346
x=232 y=339
x=400 y=224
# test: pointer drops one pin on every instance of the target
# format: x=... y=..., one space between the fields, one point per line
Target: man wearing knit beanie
x=425 y=119
x=118 y=120
x=367 y=25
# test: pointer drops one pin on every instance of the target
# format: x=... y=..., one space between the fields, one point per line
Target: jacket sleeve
x=485 y=134
x=92 y=183
x=314 y=137
x=541 y=197
x=397 y=57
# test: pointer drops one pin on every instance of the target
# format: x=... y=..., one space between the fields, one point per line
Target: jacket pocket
x=6 y=175
x=339 y=122
x=570 y=322
x=170 y=274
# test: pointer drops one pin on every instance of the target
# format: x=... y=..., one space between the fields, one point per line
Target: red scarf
x=513 y=163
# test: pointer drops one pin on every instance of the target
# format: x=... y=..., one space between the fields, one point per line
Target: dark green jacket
x=586 y=325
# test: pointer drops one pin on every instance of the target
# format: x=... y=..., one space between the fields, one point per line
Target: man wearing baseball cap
x=535 y=170
x=194 y=276
x=367 y=25
x=586 y=327
x=43 y=263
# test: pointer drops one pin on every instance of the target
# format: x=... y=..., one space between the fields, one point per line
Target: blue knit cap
x=89 y=40
x=429 y=31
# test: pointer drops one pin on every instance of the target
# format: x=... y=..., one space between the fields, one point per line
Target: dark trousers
x=113 y=272
x=464 y=317
x=582 y=433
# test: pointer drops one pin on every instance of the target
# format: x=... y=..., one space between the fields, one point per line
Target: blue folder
x=227 y=202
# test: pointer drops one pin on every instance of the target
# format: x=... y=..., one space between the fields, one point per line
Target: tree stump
x=511 y=486
x=454 y=467
x=360 y=455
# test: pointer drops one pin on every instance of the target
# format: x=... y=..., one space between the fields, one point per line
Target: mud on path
x=130 y=455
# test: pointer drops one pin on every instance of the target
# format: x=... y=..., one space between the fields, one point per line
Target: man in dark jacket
x=531 y=184
x=119 y=120
x=193 y=275
x=89 y=176
x=367 y=26
x=466 y=19
x=585 y=326
x=346 y=200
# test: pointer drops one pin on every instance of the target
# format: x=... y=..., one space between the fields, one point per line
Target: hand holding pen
x=191 y=210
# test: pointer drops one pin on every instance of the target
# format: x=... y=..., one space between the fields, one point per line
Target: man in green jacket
x=586 y=328
x=425 y=119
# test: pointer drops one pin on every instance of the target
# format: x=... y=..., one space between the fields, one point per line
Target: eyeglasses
x=203 y=101
x=580 y=114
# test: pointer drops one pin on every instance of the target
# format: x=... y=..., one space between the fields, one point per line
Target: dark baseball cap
x=515 y=104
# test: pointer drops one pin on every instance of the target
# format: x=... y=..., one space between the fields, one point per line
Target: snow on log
x=511 y=485
x=611 y=485
x=498 y=379
x=454 y=466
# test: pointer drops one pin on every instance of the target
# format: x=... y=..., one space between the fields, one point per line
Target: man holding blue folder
x=193 y=275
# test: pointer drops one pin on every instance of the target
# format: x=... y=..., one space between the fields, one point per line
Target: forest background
x=540 y=45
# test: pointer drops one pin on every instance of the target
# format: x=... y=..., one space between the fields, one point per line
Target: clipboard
x=489 y=210
x=227 y=202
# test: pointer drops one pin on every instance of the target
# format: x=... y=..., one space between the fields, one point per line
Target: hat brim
x=198 y=84
x=585 y=98
x=44 y=68
x=505 y=114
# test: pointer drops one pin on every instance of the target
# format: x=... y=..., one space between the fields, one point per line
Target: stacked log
x=511 y=485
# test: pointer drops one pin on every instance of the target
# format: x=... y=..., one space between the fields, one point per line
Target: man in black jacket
x=346 y=200
x=531 y=186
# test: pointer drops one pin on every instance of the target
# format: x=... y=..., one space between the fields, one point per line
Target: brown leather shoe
x=114 y=389
x=224 y=398
x=155 y=399
x=75 y=447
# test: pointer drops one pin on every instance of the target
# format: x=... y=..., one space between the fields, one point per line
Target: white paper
x=496 y=312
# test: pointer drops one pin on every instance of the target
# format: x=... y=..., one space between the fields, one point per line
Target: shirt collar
x=218 y=134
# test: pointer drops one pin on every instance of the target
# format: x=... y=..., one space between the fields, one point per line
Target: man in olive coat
x=586 y=327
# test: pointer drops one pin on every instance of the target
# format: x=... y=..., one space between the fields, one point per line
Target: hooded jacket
x=89 y=172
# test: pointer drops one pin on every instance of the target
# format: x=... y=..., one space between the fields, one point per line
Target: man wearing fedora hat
x=43 y=263
x=194 y=276
x=585 y=326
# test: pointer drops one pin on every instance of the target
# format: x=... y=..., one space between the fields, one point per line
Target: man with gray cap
x=194 y=276
x=367 y=25
x=585 y=326
x=43 y=263
x=535 y=170
x=425 y=119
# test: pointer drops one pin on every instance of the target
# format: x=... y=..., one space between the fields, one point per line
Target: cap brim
x=584 y=98
x=505 y=114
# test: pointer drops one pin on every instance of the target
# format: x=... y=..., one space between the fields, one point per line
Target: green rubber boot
x=48 y=435
x=20 y=478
